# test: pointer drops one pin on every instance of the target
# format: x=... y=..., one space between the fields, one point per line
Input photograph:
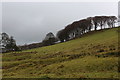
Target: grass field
x=94 y=55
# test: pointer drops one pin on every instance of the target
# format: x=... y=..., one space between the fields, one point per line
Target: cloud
x=30 y=21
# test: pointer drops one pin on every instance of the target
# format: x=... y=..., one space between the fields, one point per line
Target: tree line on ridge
x=71 y=31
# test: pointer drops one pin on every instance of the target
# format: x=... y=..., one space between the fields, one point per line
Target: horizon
x=38 y=17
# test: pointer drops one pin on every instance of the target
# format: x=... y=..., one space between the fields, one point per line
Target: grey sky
x=119 y=12
x=0 y=17
x=30 y=22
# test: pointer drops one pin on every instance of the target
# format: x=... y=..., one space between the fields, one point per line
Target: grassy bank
x=92 y=56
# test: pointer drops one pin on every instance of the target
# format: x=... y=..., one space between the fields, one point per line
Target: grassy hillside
x=92 y=56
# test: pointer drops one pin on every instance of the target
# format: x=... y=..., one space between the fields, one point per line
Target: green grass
x=86 y=57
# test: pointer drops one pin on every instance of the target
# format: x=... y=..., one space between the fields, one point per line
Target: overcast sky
x=29 y=22
x=119 y=12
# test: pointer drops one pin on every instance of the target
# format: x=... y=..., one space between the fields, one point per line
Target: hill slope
x=92 y=56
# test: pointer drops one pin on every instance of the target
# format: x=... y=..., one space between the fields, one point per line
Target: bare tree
x=96 y=22
x=8 y=43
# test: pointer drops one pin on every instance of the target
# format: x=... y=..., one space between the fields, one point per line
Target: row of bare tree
x=76 y=29
x=80 y=27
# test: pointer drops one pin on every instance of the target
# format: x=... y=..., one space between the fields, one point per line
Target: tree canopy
x=80 y=27
x=8 y=43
